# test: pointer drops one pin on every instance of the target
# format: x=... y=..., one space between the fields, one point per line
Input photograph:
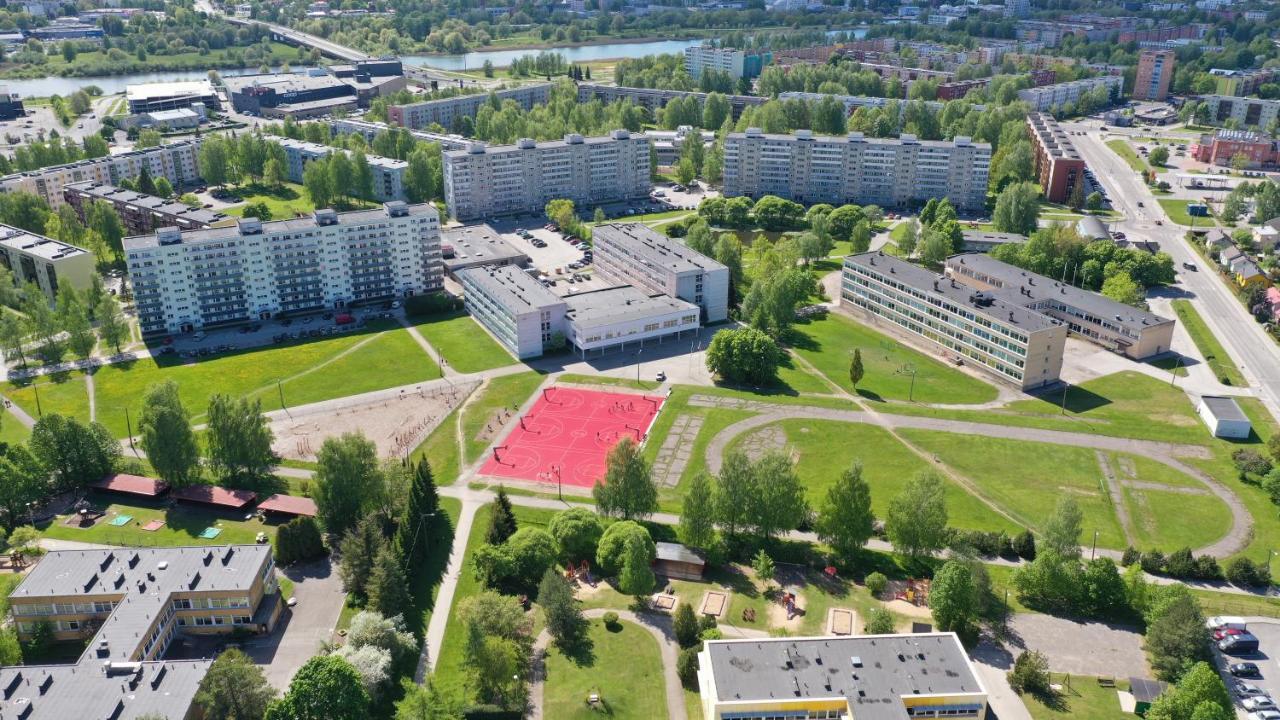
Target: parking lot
x=1267 y=630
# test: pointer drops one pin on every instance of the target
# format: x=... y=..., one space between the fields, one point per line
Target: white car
x=1264 y=715
x=1244 y=689
x=1260 y=702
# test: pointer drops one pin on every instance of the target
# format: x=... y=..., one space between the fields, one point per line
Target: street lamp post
x=1094 y=552
x=638 y=354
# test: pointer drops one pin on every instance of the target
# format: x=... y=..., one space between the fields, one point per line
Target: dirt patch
x=902 y=607
x=778 y=611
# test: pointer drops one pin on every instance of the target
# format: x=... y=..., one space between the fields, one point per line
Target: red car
x=1224 y=632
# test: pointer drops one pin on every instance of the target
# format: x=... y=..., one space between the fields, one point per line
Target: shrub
x=987 y=544
x=1131 y=556
x=879 y=622
x=876 y=583
x=711 y=634
x=1152 y=562
x=1030 y=673
x=687 y=667
x=1180 y=564
x=1250 y=464
x=1207 y=568
x=1244 y=572
x=1024 y=545
x=610 y=619
x=431 y=304
x=706 y=622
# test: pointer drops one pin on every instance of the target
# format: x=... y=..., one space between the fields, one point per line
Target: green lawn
x=465 y=346
x=1207 y=343
x=828 y=344
x=284 y=202
x=13 y=431
x=183 y=524
x=1128 y=154
x=1177 y=212
x=1085 y=700
x=622 y=664
x=441 y=450
x=645 y=385
x=96 y=62
x=508 y=391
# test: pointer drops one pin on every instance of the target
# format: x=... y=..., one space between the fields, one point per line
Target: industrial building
x=1049 y=98
x=867 y=677
x=153 y=97
x=134 y=602
x=889 y=172
x=175 y=162
x=1123 y=329
x=10 y=104
x=185 y=281
x=655 y=99
x=1058 y=165
x=485 y=181
x=475 y=245
x=636 y=254
x=1155 y=72
x=44 y=261
x=296 y=94
x=388 y=174
x=739 y=64
x=447 y=111
x=140 y=213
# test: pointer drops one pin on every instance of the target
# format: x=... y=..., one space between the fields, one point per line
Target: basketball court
x=565 y=436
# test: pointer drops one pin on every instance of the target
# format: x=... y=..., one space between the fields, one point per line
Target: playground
x=565 y=437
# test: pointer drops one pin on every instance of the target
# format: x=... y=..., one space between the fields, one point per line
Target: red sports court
x=566 y=435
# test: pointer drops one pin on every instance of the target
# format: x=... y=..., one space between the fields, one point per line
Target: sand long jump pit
x=395 y=422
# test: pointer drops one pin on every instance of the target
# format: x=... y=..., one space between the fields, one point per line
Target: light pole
x=638 y=354
x=908 y=369
x=1094 y=552
x=1065 y=386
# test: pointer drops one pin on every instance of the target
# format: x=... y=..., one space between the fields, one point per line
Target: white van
x=1218 y=622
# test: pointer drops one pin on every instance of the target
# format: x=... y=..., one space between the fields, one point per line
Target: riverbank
x=99 y=64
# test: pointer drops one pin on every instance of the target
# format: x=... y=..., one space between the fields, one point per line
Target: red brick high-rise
x=1155 y=72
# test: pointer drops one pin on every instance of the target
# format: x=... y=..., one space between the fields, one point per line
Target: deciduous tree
x=917 y=517
x=234 y=688
x=697 y=515
x=167 y=438
x=239 y=440
x=627 y=490
x=845 y=520
x=326 y=687
x=346 y=480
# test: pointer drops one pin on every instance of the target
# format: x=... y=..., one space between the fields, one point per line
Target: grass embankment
x=1227 y=372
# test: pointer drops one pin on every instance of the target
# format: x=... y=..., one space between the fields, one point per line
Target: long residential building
x=388 y=174
x=44 y=261
x=893 y=172
x=485 y=181
x=134 y=603
x=446 y=112
x=185 y=281
x=175 y=162
x=1058 y=164
x=1246 y=111
x=1155 y=72
x=739 y=64
x=1020 y=346
x=1050 y=97
x=636 y=254
x=370 y=129
x=141 y=213
x=655 y=99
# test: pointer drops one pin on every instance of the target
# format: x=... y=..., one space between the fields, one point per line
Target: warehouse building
x=175 y=162
x=636 y=254
x=44 y=261
x=447 y=111
x=488 y=181
x=10 y=104
x=868 y=677
x=1058 y=165
x=890 y=172
x=296 y=94
x=388 y=174
x=154 y=97
x=185 y=281
x=1224 y=417
x=140 y=213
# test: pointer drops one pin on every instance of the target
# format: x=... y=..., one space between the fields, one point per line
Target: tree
x=1176 y=634
x=636 y=576
x=1093 y=201
x=744 y=355
x=359 y=551
x=22 y=481
x=935 y=248
x=879 y=622
x=1121 y=288
x=239 y=440
x=164 y=188
x=326 y=687
x=1017 y=207
x=420 y=510
x=627 y=489
x=346 y=481
x=420 y=183
x=842 y=220
x=1200 y=685
x=112 y=325
x=298 y=541
x=734 y=490
x=388 y=588
x=213 y=161
x=74 y=318
x=167 y=438
x=778 y=502
x=517 y=564
x=342 y=175
x=1030 y=673
x=697 y=515
x=909 y=238
x=318 y=184
x=260 y=210
x=845 y=520
x=610 y=552
x=856 y=370
x=104 y=221
x=685 y=625
x=1158 y=156
x=577 y=533
x=951 y=597
x=860 y=238
x=234 y=688
x=73 y=453
x=1239 y=161
x=763 y=566
x=428 y=702
x=917 y=519
x=362 y=176
x=273 y=173
x=564 y=618
x=1061 y=533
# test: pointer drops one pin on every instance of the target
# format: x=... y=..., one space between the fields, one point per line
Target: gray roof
x=36 y=245
x=857 y=137
x=151 y=91
x=1145 y=689
x=873 y=672
x=58 y=692
x=991 y=237
x=675 y=552
x=1051 y=136
x=514 y=289
x=1092 y=227
x=150 y=202
x=480 y=148
x=653 y=248
x=319 y=150
x=478 y=245
x=282 y=82
x=618 y=304
x=917 y=277
x=1224 y=408
x=1039 y=288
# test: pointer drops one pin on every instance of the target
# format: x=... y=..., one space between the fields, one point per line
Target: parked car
x=1221 y=633
x=1245 y=669
x=1225 y=621
x=1189 y=266
x=1244 y=689
x=1260 y=702
x=1265 y=715
x=662 y=377
x=1244 y=644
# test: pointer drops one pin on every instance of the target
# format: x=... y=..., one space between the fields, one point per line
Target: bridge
x=289 y=36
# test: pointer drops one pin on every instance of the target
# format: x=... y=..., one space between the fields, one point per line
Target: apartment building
x=175 y=162
x=1058 y=165
x=1155 y=72
x=185 y=281
x=388 y=174
x=448 y=111
x=1224 y=146
x=1049 y=97
x=986 y=330
x=655 y=99
x=133 y=603
x=892 y=172
x=1247 y=112
x=636 y=254
x=485 y=181
x=140 y=213
x=370 y=129
x=739 y=64
x=1240 y=83
x=514 y=307
x=853 y=102
x=1121 y=328
x=865 y=677
x=44 y=261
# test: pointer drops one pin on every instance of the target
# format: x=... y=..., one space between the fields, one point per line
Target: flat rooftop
x=619 y=304
x=1052 y=137
x=320 y=150
x=1224 y=408
x=282 y=82
x=336 y=102
x=356 y=217
x=478 y=245
x=993 y=237
x=149 y=91
x=873 y=672
x=158 y=205
x=512 y=288
x=58 y=692
x=37 y=245
x=857 y=137
x=900 y=271
x=480 y=148
x=653 y=248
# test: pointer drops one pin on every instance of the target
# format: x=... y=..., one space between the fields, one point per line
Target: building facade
x=486 y=181
x=371 y=129
x=44 y=261
x=614 y=317
x=739 y=64
x=1223 y=146
x=1058 y=165
x=856 y=169
x=522 y=314
x=1155 y=72
x=1247 y=112
x=175 y=162
x=153 y=97
x=185 y=281
x=655 y=99
x=140 y=213
x=448 y=111
x=1240 y=83
x=1048 y=97
x=636 y=254
x=388 y=174
x=10 y=104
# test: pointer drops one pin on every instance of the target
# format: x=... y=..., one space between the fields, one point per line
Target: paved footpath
x=448 y=585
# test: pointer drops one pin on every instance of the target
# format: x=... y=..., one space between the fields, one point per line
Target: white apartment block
x=1048 y=97
x=44 y=261
x=175 y=162
x=738 y=63
x=185 y=281
x=388 y=174
x=446 y=112
x=487 y=181
x=636 y=254
x=856 y=169
x=514 y=306
x=1246 y=111
x=370 y=129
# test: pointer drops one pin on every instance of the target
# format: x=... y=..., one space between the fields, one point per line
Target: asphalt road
x=1245 y=340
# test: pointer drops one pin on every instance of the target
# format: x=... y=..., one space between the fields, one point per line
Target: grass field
x=506 y=391
x=284 y=202
x=13 y=431
x=828 y=344
x=622 y=664
x=1086 y=700
x=96 y=62
x=1207 y=343
x=1128 y=154
x=182 y=526
x=1177 y=212
x=463 y=344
